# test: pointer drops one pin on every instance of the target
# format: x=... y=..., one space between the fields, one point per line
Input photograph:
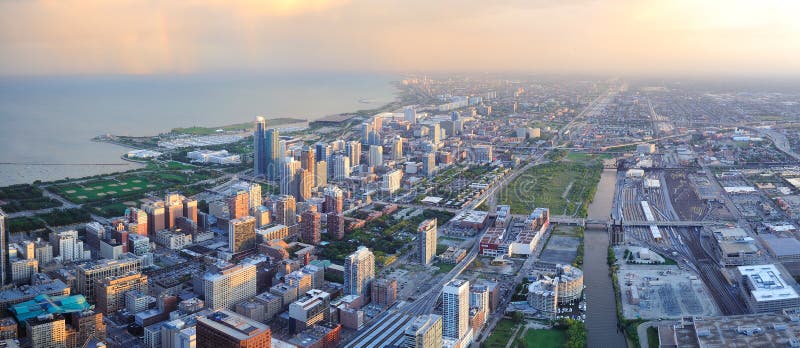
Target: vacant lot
x=564 y=187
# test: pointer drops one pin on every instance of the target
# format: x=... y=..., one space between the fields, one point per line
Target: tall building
x=137 y=217
x=311 y=309
x=384 y=292
x=410 y=115
x=335 y=225
x=341 y=167
x=226 y=329
x=23 y=269
x=359 y=270
x=334 y=199
x=229 y=285
x=321 y=174
x=5 y=268
x=110 y=292
x=307 y=159
x=375 y=155
x=89 y=274
x=429 y=164
x=242 y=234
x=286 y=210
x=304 y=185
x=397 y=148
x=155 y=216
x=273 y=154
x=322 y=152
x=173 y=203
x=289 y=177
x=455 y=308
x=480 y=153
x=239 y=204
x=190 y=209
x=69 y=247
x=436 y=133
x=391 y=181
x=427 y=240
x=353 y=151
x=310 y=229
x=260 y=146
x=424 y=331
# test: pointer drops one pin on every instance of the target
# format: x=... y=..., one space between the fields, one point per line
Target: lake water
x=50 y=120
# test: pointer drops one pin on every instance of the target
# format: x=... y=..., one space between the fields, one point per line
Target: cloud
x=191 y=36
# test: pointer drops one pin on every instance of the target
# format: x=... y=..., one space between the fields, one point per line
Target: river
x=601 y=314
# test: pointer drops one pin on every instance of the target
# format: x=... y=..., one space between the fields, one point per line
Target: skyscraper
x=155 y=216
x=242 y=234
x=289 y=177
x=375 y=155
x=424 y=331
x=307 y=159
x=427 y=241
x=229 y=284
x=322 y=152
x=436 y=133
x=304 y=184
x=260 y=147
x=410 y=115
x=353 y=150
x=273 y=154
x=285 y=210
x=341 y=167
x=238 y=204
x=359 y=270
x=397 y=148
x=429 y=163
x=455 y=308
x=334 y=199
x=5 y=268
x=310 y=228
x=321 y=174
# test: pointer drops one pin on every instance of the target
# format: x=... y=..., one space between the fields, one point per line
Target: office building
x=226 y=329
x=410 y=115
x=301 y=280
x=229 y=284
x=89 y=274
x=22 y=270
x=436 y=133
x=429 y=164
x=273 y=154
x=186 y=338
x=397 y=148
x=110 y=292
x=455 y=309
x=480 y=153
x=242 y=234
x=304 y=185
x=322 y=152
x=286 y=210
x=359 y=270
x=424 y=331
x=155 y=216
x=43 y=252
x=427 y=240
x=239 y=204
x=307 y=159
x=69 y=247
x=310 y=229
x=766 y=289
x=260 y=146
x=290 y=177
x=375 y=155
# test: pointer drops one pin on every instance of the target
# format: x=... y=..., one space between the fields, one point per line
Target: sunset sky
x=44 y=37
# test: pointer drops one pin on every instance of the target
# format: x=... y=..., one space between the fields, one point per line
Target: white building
x=229 y=285
x=359 y=270
x=391 y=181
x=70 y=248
x=427 y=241
x=765 y=289
x=341 y=167
x=375 y=155
x=455 y=309
x=215 y=157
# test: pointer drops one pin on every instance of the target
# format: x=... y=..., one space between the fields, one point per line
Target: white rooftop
x=768 y=285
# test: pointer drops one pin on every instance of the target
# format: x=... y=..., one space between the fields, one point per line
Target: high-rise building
x=424 y=331
x=239 y=204
x=384 y=292
x=307 y=159
x=110 y=292
x=335 y=225
x=479 y=298
x=391 y=181
x=226 y=329
x=70 y=330
x=429 y=164
x=359 y=270
x=310 y=229
x=334 y=199
x=303 y=281
x=173 y=203
x=70 y=248
x=304 y=185
x=190 y=209
x=242 y=234
x=23 y=269
x=5 y=268
x=353 y=151
x=229 y=285
x=322 y=152
x=289 y=177
x=427 y=240
x=436 y=133
x=321 y=174
x=273 y=154
x=410 y=115
x=187 y=338
x=260 y=146
x=481 y=153
x=375 y=155
x=89 y=274
x=286 y=210
x=341 y=167
x=397 y=148
x=137 y=217
x=455 y=308
x=311 y=309
x=155 y=216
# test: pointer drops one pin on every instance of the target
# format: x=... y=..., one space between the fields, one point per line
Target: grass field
x=444 y=267
x=652 y=337
x=96 y=190
x=503 y=332
x=564 y=187
x=583 y=157
x=545 y=339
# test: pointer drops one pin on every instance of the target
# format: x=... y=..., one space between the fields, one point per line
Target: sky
x=86 y=37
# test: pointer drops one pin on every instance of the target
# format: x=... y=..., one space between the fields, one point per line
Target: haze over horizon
x=43 y=37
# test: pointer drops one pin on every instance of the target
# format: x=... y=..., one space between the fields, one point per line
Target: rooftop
x=767 y=283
